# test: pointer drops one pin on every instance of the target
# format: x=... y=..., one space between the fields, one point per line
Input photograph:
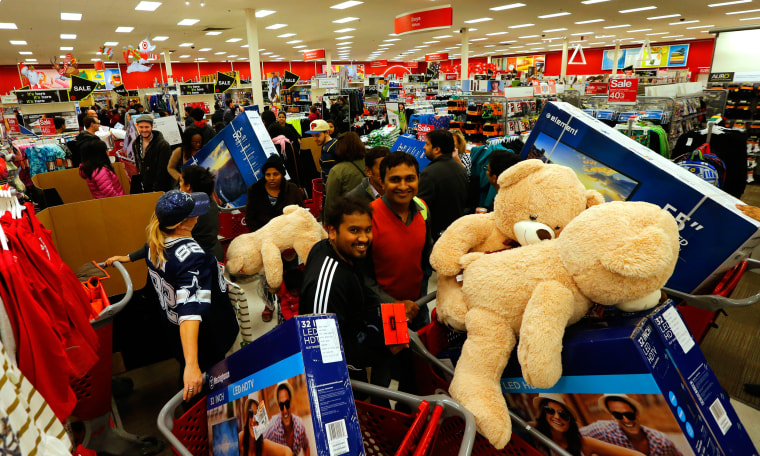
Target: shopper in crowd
x=443 y=183
x=348 y=171
x=460 y=150
x=499 y=161
x=198 y=118
x=187 y=119
x=97 y=170
x=140 y=109
x=192 y=141
x=268 y=118
x=371 y=187
x=290 y=130
x=556 y=421
x=248 y=444
x=19 y=117
x=319 y=130
x=190 y=286
x=268 y=196
x=91 y=125
x=152 y=153
x=331 y=124
x=229 y=111
x=286 y=428
x=313 y=114
x=104 y=118
x=193 y=179
x=626 y=430
x=60 y=124
x=335 y=282
x=339 y=114
x=115 y=117
x=219 y=126
x=218 y=115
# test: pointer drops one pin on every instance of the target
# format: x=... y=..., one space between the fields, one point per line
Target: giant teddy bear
x=618 y=253
x=296 y=228
x=535 y=202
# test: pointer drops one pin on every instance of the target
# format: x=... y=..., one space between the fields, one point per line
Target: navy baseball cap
x=175 y=206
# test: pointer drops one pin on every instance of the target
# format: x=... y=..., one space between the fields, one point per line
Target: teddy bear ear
x=593 y=198
x=645 y=255
x=519 y=172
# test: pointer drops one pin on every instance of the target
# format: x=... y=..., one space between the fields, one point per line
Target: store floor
x=156 y=384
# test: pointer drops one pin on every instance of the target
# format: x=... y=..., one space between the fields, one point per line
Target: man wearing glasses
x=286 y=428
x=626 y=431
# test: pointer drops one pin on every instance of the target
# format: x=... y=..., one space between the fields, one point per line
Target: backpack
x=707 y=166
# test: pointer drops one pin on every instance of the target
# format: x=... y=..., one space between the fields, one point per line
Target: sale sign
x=597 y=88
x=438 y=56
x=313 y=54
x=13 y=125
x=623 y=90
x=422 y=131
x=426 y=19
x=47 y=126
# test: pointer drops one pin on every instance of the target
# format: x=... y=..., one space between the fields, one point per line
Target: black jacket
x=331 y=285
x=443 y=187
x=258 y=211
x=152 y=164
x=217 y=116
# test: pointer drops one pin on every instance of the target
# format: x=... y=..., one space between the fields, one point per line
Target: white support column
x=169 y=74
x=328 y=58
x=615 y=59
x=563 y=71
x=252 y=35
x=465 y=60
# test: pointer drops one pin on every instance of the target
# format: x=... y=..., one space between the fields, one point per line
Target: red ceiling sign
x=437 y=57
x=451 y=77
x=411 y=64
x=379 y=63
x=314 y=54
x=427 y=19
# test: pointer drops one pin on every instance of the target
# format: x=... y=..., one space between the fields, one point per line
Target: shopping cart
x=101 y=429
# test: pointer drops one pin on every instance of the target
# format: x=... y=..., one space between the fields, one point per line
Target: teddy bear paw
x=539 y=370
x=498 y=430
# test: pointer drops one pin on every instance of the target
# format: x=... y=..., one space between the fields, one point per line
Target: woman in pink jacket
x=97 y=170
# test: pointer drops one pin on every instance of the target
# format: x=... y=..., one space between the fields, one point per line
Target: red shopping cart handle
x=426 y=441
x=413 y=435
x=730 y=279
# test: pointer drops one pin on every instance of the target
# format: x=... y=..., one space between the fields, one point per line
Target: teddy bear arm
x=449 y=302
x=272 y=259
x=303 y=246
x=462 y=236
x=543 y=325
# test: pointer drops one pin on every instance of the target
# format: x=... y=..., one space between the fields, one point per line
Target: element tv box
x=714 y=235
x=295 y=375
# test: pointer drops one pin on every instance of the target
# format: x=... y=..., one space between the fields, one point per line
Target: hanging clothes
x=729 y=145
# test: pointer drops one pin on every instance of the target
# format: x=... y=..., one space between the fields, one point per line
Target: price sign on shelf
x=423 y=130
x=47 y=126
x=623 y=90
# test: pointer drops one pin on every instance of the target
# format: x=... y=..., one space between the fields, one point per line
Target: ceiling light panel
x=8 y=26
x=521 y=26
x=347 y=4
x=233 y=40
x=344 y=30
x=188 y=21
x=478 y=39
x=654 y=18
x=700 y=27
x=18 y=43
x=276 y=26
x=185 y=45
x=743 y=12
x=683 y=22
x=345 y=19
x=480 y=19
x=111 y=43
x=71 y=16
x=591 y=2
x=214 y=33
x=736 y=2
x=294 y=42
x=617 y=26
x=147 y=6
x=749 y=18
x=554 y=30
x=344 y=37
x=286 y=35
x=264 y=13
x=636 y=10
x=582 y=33
x=160 y=38
x=506 y=7
x=25 y=52
x=639 y=30
x=68 y=36
x=548 y=16
x=124 y=29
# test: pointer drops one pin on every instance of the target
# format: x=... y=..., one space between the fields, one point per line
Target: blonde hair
x=156 y=240
x=462 y=149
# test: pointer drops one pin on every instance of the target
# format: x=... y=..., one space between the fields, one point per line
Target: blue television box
x=295 y=375
x=714 y=234
x=648 y=367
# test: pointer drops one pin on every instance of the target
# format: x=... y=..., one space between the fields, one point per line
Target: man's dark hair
x=346 y=206
x=58 y=122
x=609 y=399
x=397 y=158
x=281 y=387
x=375 y=154
x=228 y=102
x=442 y=139
x=138 y=106
x=188 y=109
x=197 y=114
x=198 y=178
x=89 y=120
x=350 y=147
x=268 y=117
x=500 y=160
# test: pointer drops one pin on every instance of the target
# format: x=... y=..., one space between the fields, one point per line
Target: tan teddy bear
x=535 y=202
x=618 y=253
x=296 y=228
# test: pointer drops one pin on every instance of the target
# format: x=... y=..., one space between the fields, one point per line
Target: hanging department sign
x=121 y=90
x=223 y=82
x=81 y=88
x=426 y=19
x=623 y=90
x=203 y=88
x=437 y=57
x=289 y=80
x=721 y=77
x=314 y=54
x=26 y=97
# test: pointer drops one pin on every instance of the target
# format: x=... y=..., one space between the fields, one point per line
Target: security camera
x=543 y=35
x=682 y=19
x=461 y=30
x=192 y=47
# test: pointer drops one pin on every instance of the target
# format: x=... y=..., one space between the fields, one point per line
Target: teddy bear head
x=536 y=201
x=621 y=253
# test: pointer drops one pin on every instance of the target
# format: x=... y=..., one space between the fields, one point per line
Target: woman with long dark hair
x=248 y=444
x=192 y=141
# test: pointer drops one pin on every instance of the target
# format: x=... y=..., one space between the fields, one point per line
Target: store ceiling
x=311 y=23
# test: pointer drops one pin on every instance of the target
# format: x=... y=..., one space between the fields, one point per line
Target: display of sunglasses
x=285 y=404
x=564 y=414
x=630 y=416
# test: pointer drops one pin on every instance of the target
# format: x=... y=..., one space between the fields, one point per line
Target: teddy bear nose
x=544 y=235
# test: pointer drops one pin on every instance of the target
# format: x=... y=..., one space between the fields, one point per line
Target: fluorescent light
x=599 y=37
x=71 y=16
x=478 y=39
x=749 y=18
x=496 y=33
x=468 y=29
x=617 y=26
x=634 y=10
x=653 y=18
x=344 y=48
x=582 y=33
x=294 y=42
x=596 y=44
x=204 y=50
x=18 y=43
x=245 y=46
x=184 y=56
x=233 y=40
x=509 y=6
x=735 y=2
x=683 y=22
x=672 y=36
x=520 y=26
x=480 y=19
x=147 y=6
x=392 y=39
x=683 y=39
x=160 y=38
x=700 y=27
x=219 y=53
x=441 y=37
x=214 y=33
x=188 y=21
x=124 y=29
x=30 y=60
x=591 y=21
x=638 y=30
x=345 y=19
x=68 y=36
x=547 y=16
x=348 y=37
x=25 y=52
x=66 y=48
x=347 y=4
x=533 y=44
x=94 y=60
x=422 y=46
x=384 y=45
x=232 y=55
x=430 y=42
x=527 y=36
x=743 y=12
x=591 y=2
x=276 y=26
x=554 y=30
x=658 y=33
x=344 y=42
x=507 y=42
x=286 y=35
x=185 y=45
x=110 y=43
x=264 y=13
x=299 y=47
x=266 y=53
